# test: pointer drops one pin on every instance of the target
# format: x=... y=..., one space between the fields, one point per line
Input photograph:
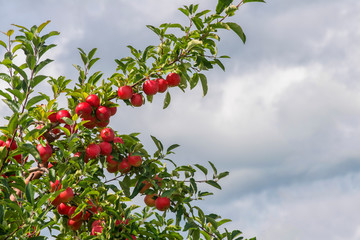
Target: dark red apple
x=124 y=166
x=63 y=209
x=55 y=186
x=92 y=121
x=45 y=152
x=107 y=134
x=83 y=109
x=163 y=85
x=93 y=100
x=52 y=117
x=103 y=113
x=74 y=225
x=93 y=151
x=150 y=87
x=134 y=160
x=125 y=92
x=61 y=115
x=173 y=79
x=105 y=148
x=162 y=203
x=136 y=100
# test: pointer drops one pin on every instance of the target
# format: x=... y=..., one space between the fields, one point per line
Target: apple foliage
x=61 y=171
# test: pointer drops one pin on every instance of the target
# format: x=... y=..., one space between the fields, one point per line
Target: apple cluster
x=150 y=88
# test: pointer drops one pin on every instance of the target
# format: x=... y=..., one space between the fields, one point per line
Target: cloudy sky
x=284 y=118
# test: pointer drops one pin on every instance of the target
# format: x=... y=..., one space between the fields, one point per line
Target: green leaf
x=157 y=143
x=5 y=77
x=220 y=64
x=20 y=71
x=198 y=23
x=222 y=4
x=27 y=147
x=3 y=44
x=238 y=30
x=212 y=221
x=41 y=65
x=213 y=167
x=34 y=100
x=5 y=95
x=204 y=85
x=172 y=147
x=194 y=80
x=13 y=122
x=36 y=80
x=222 y=175
x=202 y=168
x=154 y=29
x=193 y=43
x=213 y=183
x=12 y=105
x=10 y=32
x=29 y=192
x=167 y=100
x=41 y=27
x=31 y=61
x=184 y=11
x=52 y=174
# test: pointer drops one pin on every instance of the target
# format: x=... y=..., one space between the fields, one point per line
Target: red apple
x=97 y=223
x=113 y=110
x=105 y=148
x=92 y=121
x=67 y=195
x=13 y=144
x=136 y=100
x=83 y=109
x=45 y=152
x=162 y=203
x=163 y=85
x=93 y=151
x=61 y=115
x=18 y=158
x=107 y=134
x=111 y=162
x=173 y=79
x=102 y=124
x=149 y=200
x=52 y=117
x=93 y=100
x=103 y=113
x=96 y=230
x=125 y=92
x=74 y=225
x=124 y=166
x=63 y=209
x=150 y=87
x=112 y=168
x=55 y=131
x=77 y=217
x=55 y=186
x=134 y=160
x=146 y=187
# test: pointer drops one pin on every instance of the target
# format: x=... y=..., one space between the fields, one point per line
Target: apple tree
x=66 y=173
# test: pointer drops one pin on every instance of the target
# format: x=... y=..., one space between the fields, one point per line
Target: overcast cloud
x=284 y=118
